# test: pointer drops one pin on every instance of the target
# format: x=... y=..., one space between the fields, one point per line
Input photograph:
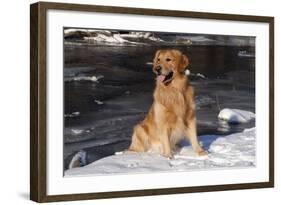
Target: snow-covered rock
x=235 y=150
x=79 y=159
x=187 y=72
x=236 y=115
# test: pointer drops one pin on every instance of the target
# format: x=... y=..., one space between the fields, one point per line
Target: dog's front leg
x=191 y=135
x=165 y=141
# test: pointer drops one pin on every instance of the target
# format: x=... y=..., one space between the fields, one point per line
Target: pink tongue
x=161 y=78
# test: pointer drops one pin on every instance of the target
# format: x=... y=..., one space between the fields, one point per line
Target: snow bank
x=112 y=37
x=104 y=36
x=145 y=38
x=235 y=115
x=236 y=150
x=115 y=38
x=73 y=30
x=142 y=35
x=130 y=38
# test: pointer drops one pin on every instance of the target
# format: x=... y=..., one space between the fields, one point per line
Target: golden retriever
x=172 y=114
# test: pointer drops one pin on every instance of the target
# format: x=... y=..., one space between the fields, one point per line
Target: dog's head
x=168 y=64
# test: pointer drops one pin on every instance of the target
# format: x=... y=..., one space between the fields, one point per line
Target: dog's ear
x=156 y=56
x=183 y=63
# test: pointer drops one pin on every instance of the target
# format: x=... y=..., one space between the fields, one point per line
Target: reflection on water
x=108 y=89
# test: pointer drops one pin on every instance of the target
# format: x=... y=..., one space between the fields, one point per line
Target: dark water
x=99 y=116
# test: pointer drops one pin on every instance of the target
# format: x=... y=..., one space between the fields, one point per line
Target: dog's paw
x=202 y=153
x=168 y=155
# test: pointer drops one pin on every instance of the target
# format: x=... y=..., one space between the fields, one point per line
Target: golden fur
x=172 y=114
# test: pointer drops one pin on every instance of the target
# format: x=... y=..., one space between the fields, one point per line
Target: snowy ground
x=235 y=150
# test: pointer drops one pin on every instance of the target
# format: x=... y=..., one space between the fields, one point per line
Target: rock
x=236 y=115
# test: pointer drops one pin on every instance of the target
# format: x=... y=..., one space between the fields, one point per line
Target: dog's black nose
x=158 y=69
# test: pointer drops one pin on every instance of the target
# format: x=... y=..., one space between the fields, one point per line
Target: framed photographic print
x=134 y=102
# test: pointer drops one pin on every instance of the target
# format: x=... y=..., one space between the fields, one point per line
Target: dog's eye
x=168 y=59
x=158 y=59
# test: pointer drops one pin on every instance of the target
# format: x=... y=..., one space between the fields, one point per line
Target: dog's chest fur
x=170 y=110
x=172 y=99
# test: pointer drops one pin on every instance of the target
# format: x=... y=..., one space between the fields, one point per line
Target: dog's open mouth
x=165 y=78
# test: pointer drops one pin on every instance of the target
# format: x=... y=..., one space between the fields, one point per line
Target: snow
x=142 y=35
x=200 y=39
x=231 y=151
x=194 y=39
x=105 y=38
x=236 y=115
x=200 y=75
x=76 y=131
x=121 y=38
x=98 y=102
x=74 y=114
x=149 y=63
x=245 y=54
x=83 y=78
x=68 y=31
x=145 y=38
x=86 y=31
x=187 y=72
